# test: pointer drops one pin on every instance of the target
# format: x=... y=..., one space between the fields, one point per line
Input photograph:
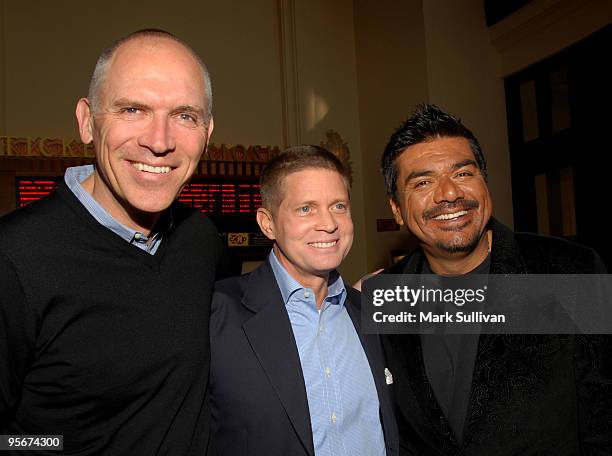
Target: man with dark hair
x=291 y=374
x=106 y=283
x=490 y=394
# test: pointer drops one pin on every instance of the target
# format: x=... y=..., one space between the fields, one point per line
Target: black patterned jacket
x=530 y=394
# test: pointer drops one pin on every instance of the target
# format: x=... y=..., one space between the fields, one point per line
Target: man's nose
x=158 y=136
x=447 y=190
x=326 y=221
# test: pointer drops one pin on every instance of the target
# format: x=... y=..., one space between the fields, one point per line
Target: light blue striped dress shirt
x=342 y=398
x=73 y=178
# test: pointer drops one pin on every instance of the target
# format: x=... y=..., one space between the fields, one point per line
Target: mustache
x=461 y=205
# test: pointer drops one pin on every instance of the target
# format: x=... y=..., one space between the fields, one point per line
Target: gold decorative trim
x=24 y=147
x=337 y=146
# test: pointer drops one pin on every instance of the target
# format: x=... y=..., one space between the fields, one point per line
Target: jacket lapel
x=413 y=392
x=373 y=350
x=414 y=395
x=271 y=337
x=505 y=259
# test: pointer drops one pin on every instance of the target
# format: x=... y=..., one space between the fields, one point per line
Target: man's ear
x=266 y=223
x=397 y=213
x=211 y=127
x=85 y=120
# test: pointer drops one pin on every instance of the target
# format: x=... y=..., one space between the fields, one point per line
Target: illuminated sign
x=237 y=239
x=210 y=195
x=222 y=197
x=30 y=189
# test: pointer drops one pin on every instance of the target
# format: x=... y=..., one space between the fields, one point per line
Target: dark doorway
x=558 y=124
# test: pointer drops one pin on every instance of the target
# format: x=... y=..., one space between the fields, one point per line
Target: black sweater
x=100 y=341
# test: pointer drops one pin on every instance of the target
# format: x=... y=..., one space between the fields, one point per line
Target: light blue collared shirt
x=73 y=178
x=342 y=397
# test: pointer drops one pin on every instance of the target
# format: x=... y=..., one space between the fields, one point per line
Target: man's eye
x=188 y=117
x=341 y=207
x=464 y=174
x=304 y=210
x=131 y=110
x=422 y=183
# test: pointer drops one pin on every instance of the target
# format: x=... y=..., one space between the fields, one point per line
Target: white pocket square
x=388 y=377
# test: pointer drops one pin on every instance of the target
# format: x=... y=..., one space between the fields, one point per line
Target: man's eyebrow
x=306 y=203
x=340 y=200
x=463 y=163
x=425 y=172
x=123 y=102
x=418 y=173
x=189 y=108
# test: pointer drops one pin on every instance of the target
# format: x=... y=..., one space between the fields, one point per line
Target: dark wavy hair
x=427 y=122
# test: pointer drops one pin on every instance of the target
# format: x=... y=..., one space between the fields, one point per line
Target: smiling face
x=443 y=198
x=312 y=227
x=149 y=129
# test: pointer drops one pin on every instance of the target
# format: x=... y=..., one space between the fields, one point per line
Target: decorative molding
x=531 y=18
x=240 y=153
x=19 y=146
x=337 y=146
x=289 y=73
x=58 y=148
x=544 y=27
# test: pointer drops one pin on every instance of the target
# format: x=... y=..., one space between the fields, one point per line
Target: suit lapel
x=271 y=337
x=414 y=395
x=505 y=259
x=373 y=350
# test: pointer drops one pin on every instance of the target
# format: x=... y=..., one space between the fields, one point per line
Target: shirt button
x=306 y=295
x=137 y=236
x=321 y=329
x=328 y=372
x=334 y=418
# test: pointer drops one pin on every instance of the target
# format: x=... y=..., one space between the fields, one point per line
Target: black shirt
x=449 y=363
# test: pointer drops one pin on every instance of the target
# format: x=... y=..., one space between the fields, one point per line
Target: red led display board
x=30 y=189
x=211 y=195
x=222 y=197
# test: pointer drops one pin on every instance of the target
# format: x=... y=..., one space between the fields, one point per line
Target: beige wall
x=51 y=48
x=392 y=75
x=327 y=80
x=463 y=76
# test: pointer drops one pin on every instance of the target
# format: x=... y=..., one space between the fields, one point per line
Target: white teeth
x=323 y=245
x=151 y=169
x=450 y=216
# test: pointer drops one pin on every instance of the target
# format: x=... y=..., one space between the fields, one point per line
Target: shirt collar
x=336 y=291
x=77 y=174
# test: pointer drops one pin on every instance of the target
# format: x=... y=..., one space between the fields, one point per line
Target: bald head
x=145 y=38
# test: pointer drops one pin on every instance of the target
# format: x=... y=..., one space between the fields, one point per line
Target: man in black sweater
x=106 y=284
x=493 y=394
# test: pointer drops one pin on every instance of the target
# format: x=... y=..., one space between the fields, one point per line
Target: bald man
x=106 y=283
